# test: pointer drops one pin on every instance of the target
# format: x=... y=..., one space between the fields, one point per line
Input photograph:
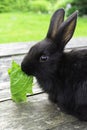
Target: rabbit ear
x=56 y=20
x=67 y=29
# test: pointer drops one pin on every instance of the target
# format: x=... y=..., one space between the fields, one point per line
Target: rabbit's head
x=43 y=58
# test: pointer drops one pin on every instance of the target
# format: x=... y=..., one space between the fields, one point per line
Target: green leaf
x=20 y=83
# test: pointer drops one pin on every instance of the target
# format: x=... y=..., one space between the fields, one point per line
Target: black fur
x=62 y=75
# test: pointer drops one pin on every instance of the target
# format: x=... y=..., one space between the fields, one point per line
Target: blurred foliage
x=39 y=6
x=25 y=5
x=43 y=6
x=80 y=5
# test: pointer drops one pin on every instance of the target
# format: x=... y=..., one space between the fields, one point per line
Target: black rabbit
x=63 y=75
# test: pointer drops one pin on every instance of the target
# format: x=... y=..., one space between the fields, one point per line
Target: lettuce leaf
x=20 y=83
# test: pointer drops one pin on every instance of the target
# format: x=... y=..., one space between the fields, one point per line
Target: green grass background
x=21 y=27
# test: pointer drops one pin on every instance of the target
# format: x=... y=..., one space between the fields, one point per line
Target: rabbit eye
x=43 y=58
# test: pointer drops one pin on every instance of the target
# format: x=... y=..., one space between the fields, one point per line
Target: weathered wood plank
x=75 y=125
x=21 y=48
x=5 y=93
x=37 y=114
x=14 y=48
x=77 y=43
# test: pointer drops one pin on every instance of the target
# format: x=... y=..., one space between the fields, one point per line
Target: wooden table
x=38 y=113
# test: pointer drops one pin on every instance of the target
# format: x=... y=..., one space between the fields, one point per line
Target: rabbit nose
x=27 y=69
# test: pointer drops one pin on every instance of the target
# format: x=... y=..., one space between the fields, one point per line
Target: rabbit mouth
x=27 y=69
